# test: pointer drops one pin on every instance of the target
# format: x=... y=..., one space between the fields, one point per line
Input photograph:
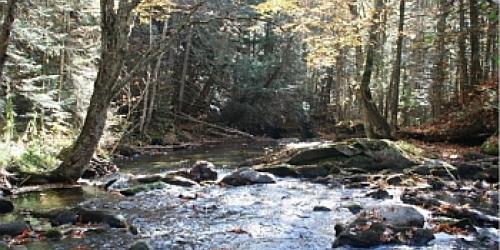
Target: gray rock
x=140 y=245
x=14 y=228
x=312 y=171
x=394 y=180
x=203 y=171
x=395 y=215
x=179 y=181
x=385 y=224
x=379 y=194
x=354 y=208
x=284 y=170
x=247 y=176
x=142 y=188
x=321 y=209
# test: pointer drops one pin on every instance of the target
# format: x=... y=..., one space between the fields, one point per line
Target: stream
x=268 y=216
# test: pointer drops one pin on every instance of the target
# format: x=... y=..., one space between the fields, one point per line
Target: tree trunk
x=184 y=70
x=375 y=125
x=396 y=73
x=114 y=41
x=8 y=20
x=339 y=84
x=156 y=73
x=439 y=74
x=463 y=73
x=147 y=88
x=475 y=61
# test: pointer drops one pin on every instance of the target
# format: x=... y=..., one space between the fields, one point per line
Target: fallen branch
x=211 y=125
x=40 y=188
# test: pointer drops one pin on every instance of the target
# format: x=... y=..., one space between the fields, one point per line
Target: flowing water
x=273 y=216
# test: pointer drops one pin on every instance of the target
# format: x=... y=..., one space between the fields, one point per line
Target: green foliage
x=35 y=160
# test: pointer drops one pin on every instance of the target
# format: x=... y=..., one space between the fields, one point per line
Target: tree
x=375 y=125
x=475 y=61
x=439 y=70
x=464 y=75
x=6 y=28
x=114 y=41
x=396 y=71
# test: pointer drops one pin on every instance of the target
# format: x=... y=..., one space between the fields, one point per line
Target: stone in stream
x=6 y=206
x=385 y=224
x=140 y=245
x=379 y=194
x=312 y=171
x=283 y=170
x=247 y=176
x=14 y=228
x=394 y=180
x=368 y=154
x=321 y=209
x=179 y=181
x=142 y=188
x=354 y=208
x=203 y=171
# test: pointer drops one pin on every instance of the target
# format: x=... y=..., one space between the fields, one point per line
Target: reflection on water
x=223 y=156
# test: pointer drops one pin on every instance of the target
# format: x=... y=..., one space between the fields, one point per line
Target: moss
x=490 y=146
x=34 y=160
x=409 y=148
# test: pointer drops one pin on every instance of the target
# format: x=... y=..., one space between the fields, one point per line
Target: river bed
x=267 y=216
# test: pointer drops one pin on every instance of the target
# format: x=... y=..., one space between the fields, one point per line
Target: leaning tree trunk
x=114 y=39
x=375 y=125
x=6 y=28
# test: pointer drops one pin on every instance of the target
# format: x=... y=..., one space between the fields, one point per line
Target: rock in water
x=385 y=224
x=203 y=171
x=6 y=206
x=379 y=194
x=321 y=209
x=179 y=181
x=14 y=228
x=140 y=245
x=247 y=176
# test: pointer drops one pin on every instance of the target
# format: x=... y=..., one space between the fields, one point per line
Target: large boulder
x=368 y=154
x=203 y=171
x=247 y=176
x=385 y=224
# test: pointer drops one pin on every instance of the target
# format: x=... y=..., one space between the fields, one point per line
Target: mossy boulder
x=371 y=155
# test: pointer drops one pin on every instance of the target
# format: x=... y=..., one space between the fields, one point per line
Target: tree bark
x=396 y=73
x=475 y=67
x=463 y=73
x=8 y=20
x=182 y=84
x=375 y=125
x=439 y=75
